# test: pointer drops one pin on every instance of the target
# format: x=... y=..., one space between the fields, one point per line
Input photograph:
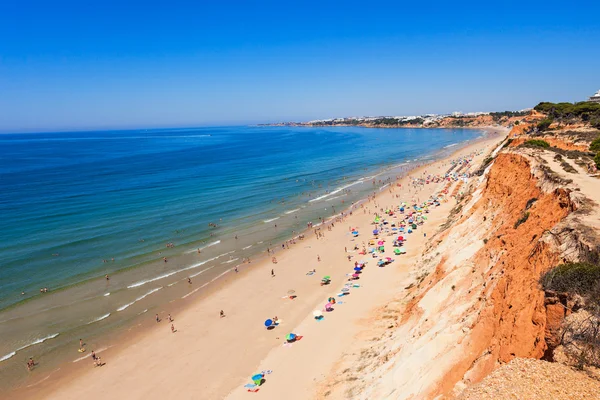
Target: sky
x=69 y=65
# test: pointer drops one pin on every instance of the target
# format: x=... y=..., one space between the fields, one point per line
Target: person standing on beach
x=157 y=318
x=272 y=273
x=172 y=328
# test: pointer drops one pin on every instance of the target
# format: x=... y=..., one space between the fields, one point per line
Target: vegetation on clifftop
x=584 y=111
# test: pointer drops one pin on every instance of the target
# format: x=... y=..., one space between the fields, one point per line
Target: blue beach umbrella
x=268 y=323
x=357 y=268
x=375 y=232
x=290 y=337
x=257 y=379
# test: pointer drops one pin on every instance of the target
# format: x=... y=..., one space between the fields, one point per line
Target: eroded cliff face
x=475 y=301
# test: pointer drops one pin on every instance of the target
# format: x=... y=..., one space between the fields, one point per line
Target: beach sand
x=209 y=357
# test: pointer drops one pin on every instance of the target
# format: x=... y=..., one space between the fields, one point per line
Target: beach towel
x=250 y=385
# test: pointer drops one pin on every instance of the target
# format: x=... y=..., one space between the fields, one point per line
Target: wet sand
x=212 y=357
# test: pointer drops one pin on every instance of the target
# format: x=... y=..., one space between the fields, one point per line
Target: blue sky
x=68 y=65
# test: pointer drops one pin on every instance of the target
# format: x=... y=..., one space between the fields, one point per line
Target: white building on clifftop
x=595 y=98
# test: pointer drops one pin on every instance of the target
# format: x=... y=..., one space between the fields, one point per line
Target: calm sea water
x=72 y=202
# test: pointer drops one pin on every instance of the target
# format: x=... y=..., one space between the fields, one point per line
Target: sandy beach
x=213 y=357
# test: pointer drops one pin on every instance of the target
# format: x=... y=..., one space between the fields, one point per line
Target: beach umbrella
x=257 y=379
x=317 y=313
x=290 y=337
x=396 y=251
x=331 y=300
x=381 y=248
x=326 y=278
x=355 y=275
x=328 y=306
x=381 y=243
x=375 y=232
x=394 y=229
x=357 y=268
x=401 y=238
x=388 y=258
x=268 y=323
x=380 y=262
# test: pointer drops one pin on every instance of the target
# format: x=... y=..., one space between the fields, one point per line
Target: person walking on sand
x=272 y=273
x=221 y=314
x=172 y=328
x=318 y=258
x=157 y=318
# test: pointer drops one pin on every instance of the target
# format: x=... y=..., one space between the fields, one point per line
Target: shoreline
x=222 y=284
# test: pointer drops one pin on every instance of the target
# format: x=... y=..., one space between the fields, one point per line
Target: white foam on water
x=99 y=318
x=336 y=191
x=266 y=221
x=201 y=272
x=230 y=261
x=335 y=197
x=247 y=247
x=106 y=294
x=204 y=247
x=140 y=283
x=139 y=298
x=38 y=341
x=451 y=145
x=292 y=211
x=6 y=357
x=195 y=290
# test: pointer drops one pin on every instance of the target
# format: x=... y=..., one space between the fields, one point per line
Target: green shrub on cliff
x=597 y=160
x=537 y=143
x=544 y=124
x=574 y=278
x=595 y=146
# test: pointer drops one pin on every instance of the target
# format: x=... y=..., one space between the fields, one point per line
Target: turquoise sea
x=79 y=205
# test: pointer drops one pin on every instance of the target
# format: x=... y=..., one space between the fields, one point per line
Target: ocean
x=77 y=206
